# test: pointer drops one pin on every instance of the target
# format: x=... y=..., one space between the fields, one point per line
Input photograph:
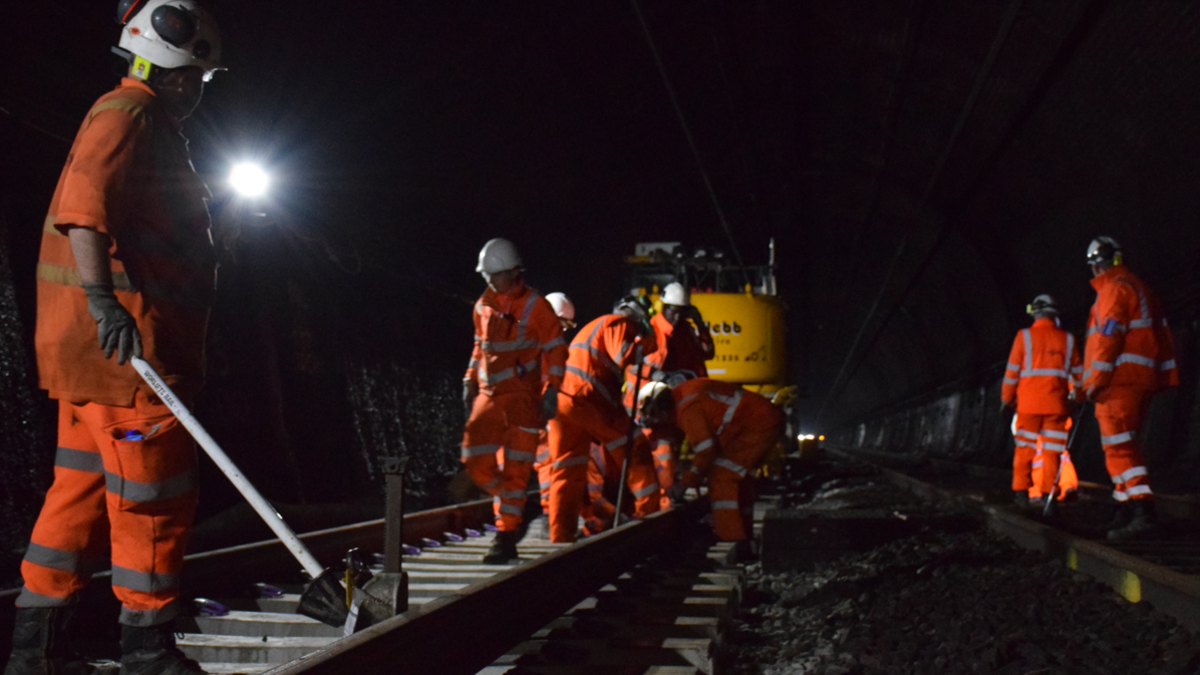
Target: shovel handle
x=268 y=513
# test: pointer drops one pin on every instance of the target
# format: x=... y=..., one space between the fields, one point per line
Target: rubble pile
x=946 y=603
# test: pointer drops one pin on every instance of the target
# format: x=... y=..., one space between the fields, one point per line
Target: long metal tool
x=325 y=584
x=640 y=360
x=1070 y=441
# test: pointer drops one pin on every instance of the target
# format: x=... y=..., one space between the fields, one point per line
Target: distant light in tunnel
x=249 y=179
x=821 y=437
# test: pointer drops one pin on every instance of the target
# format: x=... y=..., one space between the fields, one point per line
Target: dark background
x=926 y=168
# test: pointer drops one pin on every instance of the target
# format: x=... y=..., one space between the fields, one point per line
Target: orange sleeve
x=695 y=426
x=477 y=351
x=1112 y=315
x=547 y=329
x=1076 y=366
x=95 y=180
x=1012 y=373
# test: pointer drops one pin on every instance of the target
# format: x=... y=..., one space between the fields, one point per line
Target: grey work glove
x=116 y=328
x=549 y=403
x=470 y=391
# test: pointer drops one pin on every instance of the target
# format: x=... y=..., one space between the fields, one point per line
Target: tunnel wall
x=963 y=422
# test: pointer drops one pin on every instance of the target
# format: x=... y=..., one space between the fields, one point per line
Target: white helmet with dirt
x=676 y=294
x=498 y=255
x=563 y=307
x=1104 y=250
x=170 y=33
x=653 y=399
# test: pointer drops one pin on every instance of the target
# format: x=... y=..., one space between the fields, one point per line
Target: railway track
x=1160 y=569
x=640 y=599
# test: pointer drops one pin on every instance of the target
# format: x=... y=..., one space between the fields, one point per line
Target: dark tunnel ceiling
x=964 y=151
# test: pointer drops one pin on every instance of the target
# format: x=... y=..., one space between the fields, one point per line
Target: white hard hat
x=563 y=307
x=650 y=394
x=170 y=33
x=1104 y=249
x=1042 y=305
x=676 y=294
x=498 y=255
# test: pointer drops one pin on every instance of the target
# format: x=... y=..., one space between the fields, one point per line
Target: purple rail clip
x=490 y=527
x=430 y=543
x=268 y=591
x=473 y=533
x=453 y=537
x=411 y=550
x=211 y=607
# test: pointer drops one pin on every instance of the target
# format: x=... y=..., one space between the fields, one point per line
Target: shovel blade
x=325 y=600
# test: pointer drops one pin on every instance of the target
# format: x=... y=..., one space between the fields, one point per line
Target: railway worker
x=1129 y=356
x=1044 y=367
x=126 y=269
x=590 y=410
x=510 y=390
x=687 y=342
x=565 y=310
x=730 y=430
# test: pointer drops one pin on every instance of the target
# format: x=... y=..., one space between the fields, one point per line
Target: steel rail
x=465 y=632
x=1135 y=579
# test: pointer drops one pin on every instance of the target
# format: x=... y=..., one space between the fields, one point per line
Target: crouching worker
x=126 y=268
x=730 y=430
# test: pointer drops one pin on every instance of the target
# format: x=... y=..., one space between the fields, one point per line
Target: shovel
x=325 y=599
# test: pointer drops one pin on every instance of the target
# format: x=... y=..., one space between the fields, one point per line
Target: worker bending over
x=510 y=390
x=565 y=309
x=127 y=268
x=1129 y=356
x=590 y=410
x=1044 y=367
x=730 y=431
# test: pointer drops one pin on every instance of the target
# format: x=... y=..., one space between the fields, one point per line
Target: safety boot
x=1143 y=519
x=151 y=650
x=1021 y=499
x=1121 y=516
x=40 y=643
x=504 y=548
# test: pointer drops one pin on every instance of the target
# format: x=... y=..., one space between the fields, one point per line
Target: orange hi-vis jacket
x=1128 y=341
x=712 y=414
x=128 y=176
x=1043 y=367
x=519 y=343
x=599 y=356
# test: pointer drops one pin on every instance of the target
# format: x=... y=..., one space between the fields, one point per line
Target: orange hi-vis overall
x=678 y=348
x=597 y=510
x=590 y=410
x=125 y=470
x=1130 y=355
x=1043 y=366
x=519 y=349
x=666 y=460
x=541 y=465
x=730 y=431
x=1068 y=480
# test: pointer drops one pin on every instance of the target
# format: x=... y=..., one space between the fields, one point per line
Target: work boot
x=1143 y=520
x=151 y=650
x=40 y=643
x=1021 y=499
x=504 y=548
x=1121 y=516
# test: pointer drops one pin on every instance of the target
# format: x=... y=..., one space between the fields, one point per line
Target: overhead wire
x=981 y=78
x=687 y=133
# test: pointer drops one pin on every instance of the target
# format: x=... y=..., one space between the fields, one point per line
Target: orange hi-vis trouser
x=665 y=467
x=731 y=482
x=499 y=446
x=580 y=422
x=139 y=496
x=1120 y=412
x=1052 y=430
x=1068 y=480
x=542 y=466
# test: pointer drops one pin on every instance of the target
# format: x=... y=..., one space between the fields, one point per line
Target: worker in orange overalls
x=1043 y=369
x=688 y=343
x=510 y=390
x=127 y=267
x=590 y=410
x=565 y=309
x=730 y=430
x=1129 y=356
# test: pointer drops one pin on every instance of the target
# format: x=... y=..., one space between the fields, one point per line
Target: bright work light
x=249 y=180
